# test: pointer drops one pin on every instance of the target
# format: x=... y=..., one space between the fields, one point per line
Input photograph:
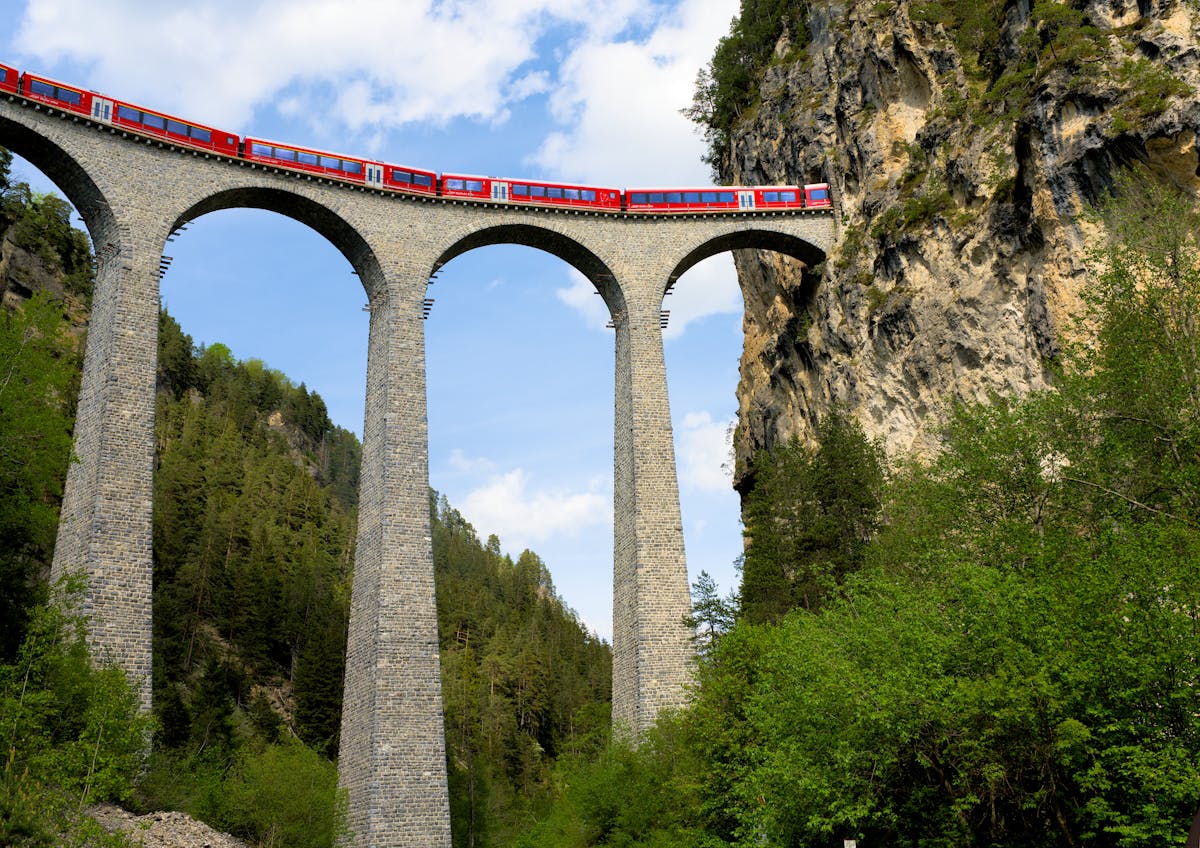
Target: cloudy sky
x=520 y=362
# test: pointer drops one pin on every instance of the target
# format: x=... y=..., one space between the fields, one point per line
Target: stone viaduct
x=132 y=193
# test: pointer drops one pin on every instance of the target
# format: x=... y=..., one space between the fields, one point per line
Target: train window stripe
x=155 y=121
x=708 y=196
x=128 y=114
x=674 y=197
x=725 y=196
x=261 y=149
x=571 y=193
x=474 y=185
x=306 y=158
x=691 y=197
x=402 y=177
x=284 y=154
x=352 y=167
x=177 y=127
x=456 y=185
x=537 y=191
x=201 y=135
x=637 y=197
x=787 y=196
x=423 y=180
x=588 y=195
x=658 y=197
x=521 y=190
x=554 y=193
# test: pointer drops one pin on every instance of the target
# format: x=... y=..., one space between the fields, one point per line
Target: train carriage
x=817 y=196
x=681 y=199
x=129 y=116
x=314 y=161
x=56 y=94
x=399 y=178
x=9 y=78
x=530 y=192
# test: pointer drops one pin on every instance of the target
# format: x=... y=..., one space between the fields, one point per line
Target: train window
x=203 y=136
x=155 y=121
x=770 y=197
x=125 y=113
x=261 y=149
x=402 y=177
x=637 y=197
x=474 y=185
x=522 y=190
x=787 y=196
x=423 y=180
x=456 y=185
x=588 y=195
x=708 y=197
x=176 y=127
x=330 y=162
x=819 y=194
x=73 y=97
x=285 y=154
x=39 y=87
x=306 y=158
x=537 y=191
x=657 y=197
x=352 y=167
x=554 y=193
x=571 y=193
x=674 y=197
x=725 y=196
x=691 y=197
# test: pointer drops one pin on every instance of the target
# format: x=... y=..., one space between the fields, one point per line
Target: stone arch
x=70 y=176
x=748 y=239
x=317 y=217
x=568 y=249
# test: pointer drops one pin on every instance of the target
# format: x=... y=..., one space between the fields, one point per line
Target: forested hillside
x=254 y=525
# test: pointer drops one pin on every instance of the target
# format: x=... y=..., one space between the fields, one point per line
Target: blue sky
x=520 y=364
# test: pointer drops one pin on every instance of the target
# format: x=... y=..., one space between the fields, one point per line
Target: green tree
x=809 y=517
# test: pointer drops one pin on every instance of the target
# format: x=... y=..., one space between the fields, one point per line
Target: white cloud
x=619 y=103
x=506 y=505
x=582 y=296
x=389 y=62
x=708 y=288
x=464 y=464
x=704 y=447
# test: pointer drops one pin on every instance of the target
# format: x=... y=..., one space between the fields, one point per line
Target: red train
x=382 y=175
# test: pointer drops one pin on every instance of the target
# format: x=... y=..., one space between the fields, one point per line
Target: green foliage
x=284 y=797
x=728 y=87
x=808 y=518
x=72 y=733
x=37 y=377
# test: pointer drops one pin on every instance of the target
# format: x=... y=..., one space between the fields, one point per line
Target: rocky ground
x=163 y=830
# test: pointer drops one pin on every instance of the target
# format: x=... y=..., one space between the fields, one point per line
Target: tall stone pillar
x=392 y=759
x=651 y=644
x=105 y=528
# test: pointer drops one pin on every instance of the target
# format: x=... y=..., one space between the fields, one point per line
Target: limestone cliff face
x=962 y=252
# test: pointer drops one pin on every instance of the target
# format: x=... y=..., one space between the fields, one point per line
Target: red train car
x=326 y=164
x=816 y=196
x=135 y=118
x=683 y=199
x=56 y=94
x=403 y=179
x=530 y=192
x=9 y=78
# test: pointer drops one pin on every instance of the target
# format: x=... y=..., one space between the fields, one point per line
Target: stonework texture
x=132 y=193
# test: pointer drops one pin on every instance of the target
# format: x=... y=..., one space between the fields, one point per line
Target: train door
x=374 y=174
x=745 y=200
x=102 y=109
x=499 y=191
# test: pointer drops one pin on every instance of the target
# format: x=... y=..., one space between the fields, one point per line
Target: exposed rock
x=975 y=292
x=162 y=830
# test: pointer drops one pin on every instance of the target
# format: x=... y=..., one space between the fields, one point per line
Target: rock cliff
x=963 y=142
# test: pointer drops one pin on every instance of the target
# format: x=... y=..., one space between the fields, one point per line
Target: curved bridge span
x=133 y=192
